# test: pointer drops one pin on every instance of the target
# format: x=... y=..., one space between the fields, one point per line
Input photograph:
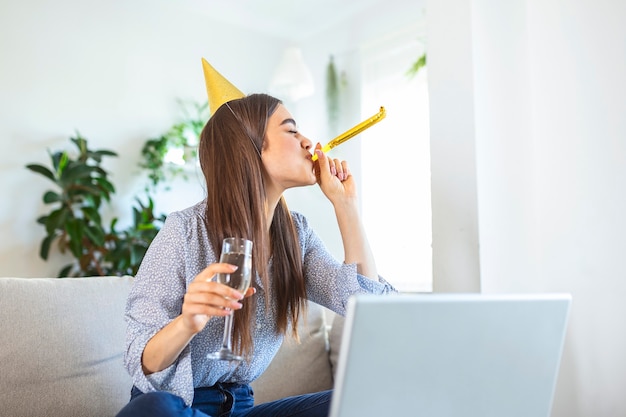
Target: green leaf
x=83 y=191
x=44 y=249
x=57 y=219
x=56 y=159
x=64 y=160
x=74 y=229
x=105 y=152
x=106 y=196
x=136 y=255
x=51 y=197
x=417 y=65
x=136 y=216
x=105 y=185
x=92 y=214
x=95 y=234
x=64 y=272
x=98 y=155
x=100 y=171
x=76 y=172
x=91 y=200
x=113 y=223
x=144 y=227
x=81 y=143
x=40 y=169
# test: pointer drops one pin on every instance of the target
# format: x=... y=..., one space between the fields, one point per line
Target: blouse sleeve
x=154 y=300
x=330 y=282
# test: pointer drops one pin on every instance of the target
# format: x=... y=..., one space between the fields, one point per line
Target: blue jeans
x=224 y=400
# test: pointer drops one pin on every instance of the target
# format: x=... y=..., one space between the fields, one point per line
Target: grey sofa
x=63 y=340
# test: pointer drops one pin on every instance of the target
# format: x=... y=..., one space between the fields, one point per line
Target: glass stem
x=228 y=329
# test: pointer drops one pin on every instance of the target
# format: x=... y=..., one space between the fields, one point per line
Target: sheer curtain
x=396 y=161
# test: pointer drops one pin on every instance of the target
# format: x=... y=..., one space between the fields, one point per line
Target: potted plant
x=74 y=223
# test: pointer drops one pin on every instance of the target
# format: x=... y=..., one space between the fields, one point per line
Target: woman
x=250 y=153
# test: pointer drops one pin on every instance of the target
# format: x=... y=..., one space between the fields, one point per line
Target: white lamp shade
x=292 y=79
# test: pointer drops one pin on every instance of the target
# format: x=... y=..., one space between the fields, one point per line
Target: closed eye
x=292 y=123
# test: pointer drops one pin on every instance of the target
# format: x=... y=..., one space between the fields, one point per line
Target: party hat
x=218 y=88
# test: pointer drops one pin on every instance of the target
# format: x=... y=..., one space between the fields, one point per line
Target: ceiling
x=291 y=19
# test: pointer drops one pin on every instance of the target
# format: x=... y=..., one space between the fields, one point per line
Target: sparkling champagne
x=238 y=252
x=240 y=279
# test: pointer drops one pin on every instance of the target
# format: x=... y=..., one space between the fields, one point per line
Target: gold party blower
x=350 y=133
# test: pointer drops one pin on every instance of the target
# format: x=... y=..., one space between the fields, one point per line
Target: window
x=396 y=161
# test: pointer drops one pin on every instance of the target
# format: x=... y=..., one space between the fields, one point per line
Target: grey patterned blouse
x=178 y=253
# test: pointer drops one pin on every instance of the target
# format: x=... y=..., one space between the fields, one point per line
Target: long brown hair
x=230 y=156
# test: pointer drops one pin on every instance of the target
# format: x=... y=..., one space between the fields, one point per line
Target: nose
x=306 y=142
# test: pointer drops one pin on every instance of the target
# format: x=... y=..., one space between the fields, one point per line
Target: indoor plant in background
x=82 y=186
x=332 y=95
x=75 y=223
x=164 y=157
x=419 y=63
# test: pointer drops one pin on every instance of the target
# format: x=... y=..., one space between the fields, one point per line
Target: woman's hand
x=334 y=178
x=206 y=298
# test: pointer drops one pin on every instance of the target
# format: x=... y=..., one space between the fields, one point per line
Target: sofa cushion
x=62 y=349
x=62 y=346
x=335 y=335
x=299 y=368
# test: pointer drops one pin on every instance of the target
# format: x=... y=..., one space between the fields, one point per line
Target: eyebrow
x=286 y=121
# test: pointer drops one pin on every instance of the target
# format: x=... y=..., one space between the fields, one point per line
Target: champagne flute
x=235 y=251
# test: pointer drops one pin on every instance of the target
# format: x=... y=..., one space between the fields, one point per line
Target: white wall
x=550 y=140
x=452 y=147
x=113 y=71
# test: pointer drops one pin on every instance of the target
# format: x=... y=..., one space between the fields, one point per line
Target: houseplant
x=164 y=157
x=75 y=224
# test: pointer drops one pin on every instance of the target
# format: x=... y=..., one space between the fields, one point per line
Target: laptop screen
x=436 y=355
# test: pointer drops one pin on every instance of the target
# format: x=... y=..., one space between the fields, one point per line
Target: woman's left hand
x=334 y=178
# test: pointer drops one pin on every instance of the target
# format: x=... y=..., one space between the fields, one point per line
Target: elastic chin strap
x=239 y=120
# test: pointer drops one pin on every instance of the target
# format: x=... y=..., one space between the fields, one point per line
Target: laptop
x=450 y=355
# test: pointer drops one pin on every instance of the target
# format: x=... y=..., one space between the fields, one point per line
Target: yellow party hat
x=218 y=88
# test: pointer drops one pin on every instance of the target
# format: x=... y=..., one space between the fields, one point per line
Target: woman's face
x=286 y=153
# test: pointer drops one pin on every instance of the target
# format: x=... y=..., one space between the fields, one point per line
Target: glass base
x=224 y=355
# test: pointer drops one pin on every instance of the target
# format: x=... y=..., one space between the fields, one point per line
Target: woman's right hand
x=206 y=298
